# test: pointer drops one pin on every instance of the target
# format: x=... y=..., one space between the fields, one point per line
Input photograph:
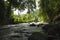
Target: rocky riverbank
x=26 y=32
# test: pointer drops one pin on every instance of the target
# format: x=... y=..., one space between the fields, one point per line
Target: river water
x=18 y=31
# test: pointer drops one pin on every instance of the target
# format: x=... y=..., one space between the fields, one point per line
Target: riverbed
x=18 y=31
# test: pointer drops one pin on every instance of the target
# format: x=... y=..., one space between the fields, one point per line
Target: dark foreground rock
x=37 y=36
x=53 y=31
x=49 y=32
x=32 y=24
x=39 y=25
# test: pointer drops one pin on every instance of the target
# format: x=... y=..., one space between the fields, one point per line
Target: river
x=18 y=31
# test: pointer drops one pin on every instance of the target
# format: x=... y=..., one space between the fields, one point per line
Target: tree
x=2 y=11
x=51 y=8
x=6 y=8
x=22 y=4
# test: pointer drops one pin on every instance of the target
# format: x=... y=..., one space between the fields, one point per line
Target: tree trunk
x=2 y=11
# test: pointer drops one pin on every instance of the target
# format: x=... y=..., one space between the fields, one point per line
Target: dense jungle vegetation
x=48 y=11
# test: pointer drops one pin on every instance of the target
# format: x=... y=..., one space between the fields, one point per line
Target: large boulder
x=53 y=31
x=37 y=36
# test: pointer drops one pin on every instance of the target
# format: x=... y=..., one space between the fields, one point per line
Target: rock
x=57 y=20
x=53 y=31
x=32 y=24
x=37 y=36
x=39 y=25
x=47 y=27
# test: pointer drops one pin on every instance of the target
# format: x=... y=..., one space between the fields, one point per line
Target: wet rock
x=53 y=31
x=37 y=36
x=39 y=25
x=47 y=27
x=32 y=24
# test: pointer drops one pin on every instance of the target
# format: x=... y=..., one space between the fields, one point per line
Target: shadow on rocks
x=37 y=36
x=50 y=32
x=53 y=31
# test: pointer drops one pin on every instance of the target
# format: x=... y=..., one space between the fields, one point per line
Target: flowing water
x=18 y=31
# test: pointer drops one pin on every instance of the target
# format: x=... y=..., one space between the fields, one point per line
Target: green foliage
x=51 y=8
x=35 y=16
x=23 y=18
x=7 y=6
x=22 y=4
x=43 y=17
